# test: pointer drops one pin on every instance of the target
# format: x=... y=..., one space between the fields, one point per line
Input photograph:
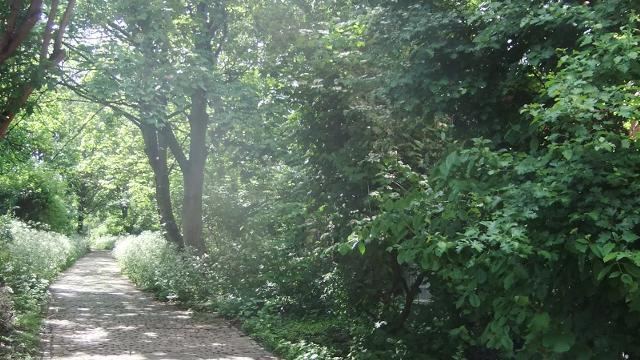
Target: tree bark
x=156 y=150
x=193 y=174
x=10 y=113
x=5 y=121
x=48 y=31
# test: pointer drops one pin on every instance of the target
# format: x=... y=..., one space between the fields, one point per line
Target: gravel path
x=96 y=313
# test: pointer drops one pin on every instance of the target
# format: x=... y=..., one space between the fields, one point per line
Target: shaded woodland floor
x=96 y=313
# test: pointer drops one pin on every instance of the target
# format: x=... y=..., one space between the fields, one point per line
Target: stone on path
x=96 y=313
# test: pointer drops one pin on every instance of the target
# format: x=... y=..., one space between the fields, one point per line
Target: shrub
x=35 y=195
x=6 y=311
x=29 y=260
x=153 y=264
x=106 y=242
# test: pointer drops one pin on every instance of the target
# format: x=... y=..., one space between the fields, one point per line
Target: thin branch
x=123 y=35
x=23 y=115
x=223 y=38
x=182 y=111
x=84 y=56
x=76 y=88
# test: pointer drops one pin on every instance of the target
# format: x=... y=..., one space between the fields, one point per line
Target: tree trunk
x=80 y=225
x=10 y=113
x=5 y=121
x=156 y=150
x=209 y=28
x=193 y=174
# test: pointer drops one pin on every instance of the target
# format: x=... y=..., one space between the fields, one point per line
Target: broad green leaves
x=520 y=228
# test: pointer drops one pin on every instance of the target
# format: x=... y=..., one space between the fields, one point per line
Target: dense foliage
x=374 y=173
x=29 y=260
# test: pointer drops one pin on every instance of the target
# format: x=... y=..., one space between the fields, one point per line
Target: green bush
x=29 y=260
x=537 y=246
x=105 y=242
x=36 y=196
x=153 y=264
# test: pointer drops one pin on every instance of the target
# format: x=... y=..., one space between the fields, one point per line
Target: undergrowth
x=154 y=265
x=105 y=242
x=29 y=260
x=286 y=321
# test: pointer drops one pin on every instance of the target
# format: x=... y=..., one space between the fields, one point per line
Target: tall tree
x=162 y=66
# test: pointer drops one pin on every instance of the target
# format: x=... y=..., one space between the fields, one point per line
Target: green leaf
x=610 y=256
x=447 y=165
x=558 y=343
x=597 y=251
x=605 y=270
x=362 y=247
x=606 y=249
x=632 y=270
x=539 y=323
x=508 y=281
x=474 y=300
x=345 y=248
x=521 y=300
x=581 y=245
x=628 y=236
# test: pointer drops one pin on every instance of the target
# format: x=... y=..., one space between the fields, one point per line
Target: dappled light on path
x=95 y=313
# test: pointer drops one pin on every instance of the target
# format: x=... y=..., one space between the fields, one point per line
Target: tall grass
x=29 y=260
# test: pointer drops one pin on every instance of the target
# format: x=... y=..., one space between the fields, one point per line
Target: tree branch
x=119 y=32
x=48 y=31
x=58 y=54
x=76 y=88
x=13 y=39
x=175 y=147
